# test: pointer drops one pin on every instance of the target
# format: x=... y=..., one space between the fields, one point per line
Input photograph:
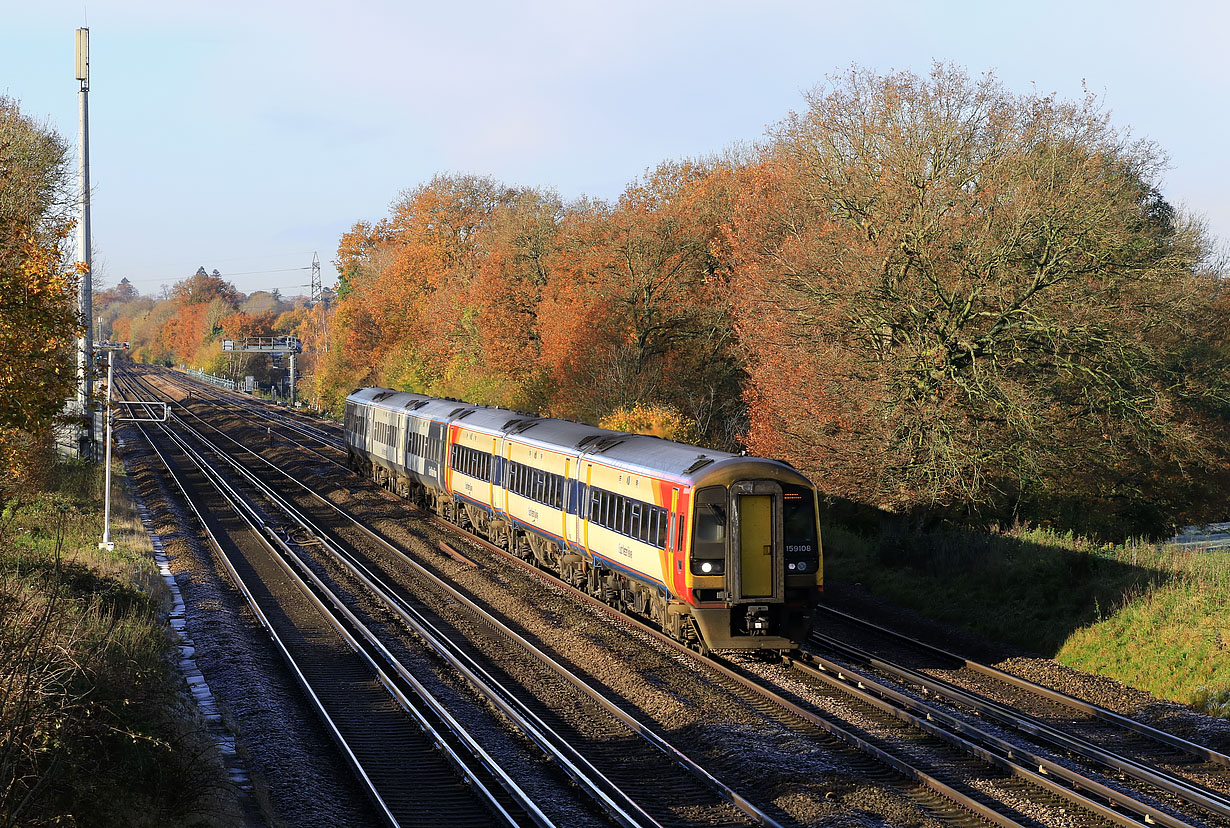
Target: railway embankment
x=1154 y=617
x=95 y=722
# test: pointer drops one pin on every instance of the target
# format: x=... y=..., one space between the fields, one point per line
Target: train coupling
x=756 y=619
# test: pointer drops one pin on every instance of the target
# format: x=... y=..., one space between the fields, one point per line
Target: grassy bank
x=95 y=729
x=1152 y=617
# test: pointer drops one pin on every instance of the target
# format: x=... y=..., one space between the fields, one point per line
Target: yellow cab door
x=757 y=553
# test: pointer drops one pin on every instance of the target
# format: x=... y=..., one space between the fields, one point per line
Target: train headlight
x=706 y=567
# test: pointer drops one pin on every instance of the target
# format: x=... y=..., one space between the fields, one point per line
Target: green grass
x=1151 y=617
x=95 y=726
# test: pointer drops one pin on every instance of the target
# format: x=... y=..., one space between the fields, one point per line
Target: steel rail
x=1006 y=761
x=244 y=403
x=990 y=748
x=832 y=728
x=1170 y=739
x=314 y=588
x=606 y=793
x=1192 y=794
x=249 y=411
x=262 y=530
x=334 y=732
x=462 y=661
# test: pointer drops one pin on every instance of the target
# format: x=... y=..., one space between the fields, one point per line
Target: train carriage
x=474 y=436
x=425 y=444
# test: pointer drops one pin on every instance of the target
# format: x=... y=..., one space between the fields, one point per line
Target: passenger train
x=721 y=551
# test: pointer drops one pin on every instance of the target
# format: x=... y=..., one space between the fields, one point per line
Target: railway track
x=638 y=760
x=1024 y=774
x=361 y=697
x=1146 y=763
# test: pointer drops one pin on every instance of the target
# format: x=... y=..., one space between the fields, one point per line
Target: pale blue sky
x=246 y=135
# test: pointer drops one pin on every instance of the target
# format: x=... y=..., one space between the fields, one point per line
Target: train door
x=756 y=567
x=672 y=562
x=490 y=470
x=583 y=496
x=435 y=452
x=563 y=505
x=506 y=475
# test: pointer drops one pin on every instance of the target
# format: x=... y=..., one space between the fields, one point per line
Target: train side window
x=634 y=521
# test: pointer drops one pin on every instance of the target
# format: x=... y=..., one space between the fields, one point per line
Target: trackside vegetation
x=1154 y=617
x=96 y=726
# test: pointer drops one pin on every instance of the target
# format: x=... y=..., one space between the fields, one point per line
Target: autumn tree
x=38 y=319
x=639 y=303
x=404 y=316
x=504 y=294
x=956 y=300
x=202 y=288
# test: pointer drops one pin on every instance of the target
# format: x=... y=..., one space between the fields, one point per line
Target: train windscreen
x=799 y=527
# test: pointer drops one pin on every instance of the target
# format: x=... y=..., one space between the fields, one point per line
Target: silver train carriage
x=722 y=551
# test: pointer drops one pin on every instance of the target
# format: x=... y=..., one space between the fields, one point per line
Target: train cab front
x=754 y=561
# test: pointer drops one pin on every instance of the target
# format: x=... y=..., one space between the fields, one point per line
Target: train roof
x=386 y=398
x=552 y=433
x=645 y=451
x=617 y=448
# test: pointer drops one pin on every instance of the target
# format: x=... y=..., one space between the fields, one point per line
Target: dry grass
x=96 y=727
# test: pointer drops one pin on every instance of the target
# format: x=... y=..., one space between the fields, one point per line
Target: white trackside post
x=106 y=538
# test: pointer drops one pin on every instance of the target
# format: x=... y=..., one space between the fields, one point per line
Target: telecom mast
x=85 y=302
